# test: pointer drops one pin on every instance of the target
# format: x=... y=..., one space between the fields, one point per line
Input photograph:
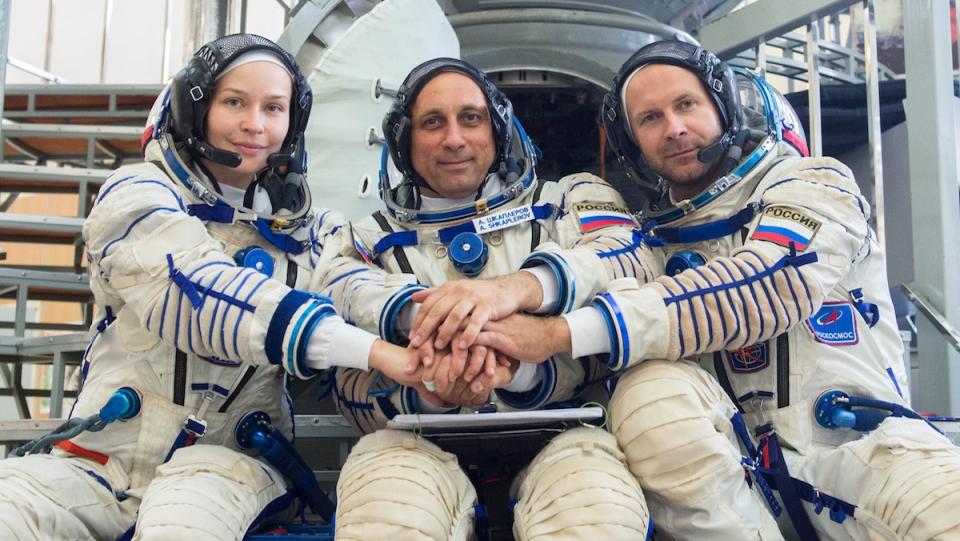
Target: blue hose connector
x=123 y=404
x=683 y=260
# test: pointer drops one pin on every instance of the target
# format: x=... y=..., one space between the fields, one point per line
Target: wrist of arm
x=559 y=335
x=530 y=286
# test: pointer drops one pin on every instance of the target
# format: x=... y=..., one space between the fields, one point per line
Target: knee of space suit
x=399 y=487
x=579 y=487
x=911 y=489
x=672 y=421
x=209 y=492
x=47 y=497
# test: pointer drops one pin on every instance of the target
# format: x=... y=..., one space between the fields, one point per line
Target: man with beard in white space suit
x=199 y=262
x=464 y=201
x=769 y=346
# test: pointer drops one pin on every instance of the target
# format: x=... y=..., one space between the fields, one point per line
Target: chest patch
x=783 y=225
x=503 y=219
x=834 y=324
x=749 y=359
x=592 y=216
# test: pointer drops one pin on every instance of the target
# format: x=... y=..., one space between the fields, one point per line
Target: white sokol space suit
x=784 y=298
x=398 y=486
x=202 y=339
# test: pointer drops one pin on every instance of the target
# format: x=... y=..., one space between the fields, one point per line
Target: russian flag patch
x=593 y=216
x=362 y=252
x=784 y=225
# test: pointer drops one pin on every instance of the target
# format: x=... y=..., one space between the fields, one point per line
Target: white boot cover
x=672 y=421
x=397 y=487
x=579 y=488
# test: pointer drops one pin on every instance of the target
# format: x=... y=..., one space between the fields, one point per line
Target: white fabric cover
x=383 y=44
x=46 y=497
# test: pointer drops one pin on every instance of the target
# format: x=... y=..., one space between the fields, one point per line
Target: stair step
x=49 y=179
x=43 y=229
x=107 y=104
x=66 y=142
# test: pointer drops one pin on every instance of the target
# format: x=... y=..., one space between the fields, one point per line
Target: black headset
x=720 y=84
x=192 y=89
x=397 y=122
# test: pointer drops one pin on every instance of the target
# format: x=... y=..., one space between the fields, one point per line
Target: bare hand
x=527 y=338
x=458 y=391
x=395 y=362
x=449 y=368
x=470 y=304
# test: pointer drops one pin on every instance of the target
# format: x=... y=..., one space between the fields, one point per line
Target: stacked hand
x=449 y=385
x=438 y=383
x=469 y=336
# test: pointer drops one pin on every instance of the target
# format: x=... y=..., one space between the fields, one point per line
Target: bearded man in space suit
x=200 y=259
x=463 y=201
x=753 y=367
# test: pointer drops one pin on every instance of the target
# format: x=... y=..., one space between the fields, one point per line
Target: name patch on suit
x=785 y=225
x=503 y=219
x=593 y=216
x=749 y=359
x=834 y=324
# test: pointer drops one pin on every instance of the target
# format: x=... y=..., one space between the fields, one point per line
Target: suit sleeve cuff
x=336 y=343
x=562 y=277
x=548 y=285
x=527 y=376
x=391 y=318
x=588 y=332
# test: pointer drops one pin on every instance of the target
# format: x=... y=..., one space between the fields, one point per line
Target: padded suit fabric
x=579 y=488
x=207 y=492
x=672 y=421
x=399 y=487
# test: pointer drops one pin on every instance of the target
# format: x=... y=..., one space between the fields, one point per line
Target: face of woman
x=249 y=115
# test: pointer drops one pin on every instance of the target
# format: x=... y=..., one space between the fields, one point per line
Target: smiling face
x=451 y=144
x=249 y=114
x=672 y=118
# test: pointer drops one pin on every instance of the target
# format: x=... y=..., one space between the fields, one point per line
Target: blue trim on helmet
x=170 y=156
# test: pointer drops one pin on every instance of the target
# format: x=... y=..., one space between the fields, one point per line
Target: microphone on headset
x=214 y=154
x=733 y=147
x=713 y=151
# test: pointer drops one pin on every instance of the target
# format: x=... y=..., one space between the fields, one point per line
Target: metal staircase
x=61 y=141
